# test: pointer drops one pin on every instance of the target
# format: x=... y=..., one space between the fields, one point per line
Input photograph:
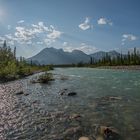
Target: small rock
x=109 y=133
x=63 y=91
x=102 y=129
x=84 y=138
x=100 y=138
x=72 y=94
x=115 y=98
x=19 y=93
x=34 y=102
x=66 y=92
x=75 y=116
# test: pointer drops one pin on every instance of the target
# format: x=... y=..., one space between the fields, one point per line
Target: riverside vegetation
x=43 y=78
x=132 y=58
x=11 y=68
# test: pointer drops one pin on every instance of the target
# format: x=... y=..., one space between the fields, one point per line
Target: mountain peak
x=59 y=56
x=77 y=51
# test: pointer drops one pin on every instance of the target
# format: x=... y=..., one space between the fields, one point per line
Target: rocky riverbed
x=46 y=111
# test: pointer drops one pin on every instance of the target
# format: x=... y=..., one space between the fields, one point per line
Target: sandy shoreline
x=133 y=67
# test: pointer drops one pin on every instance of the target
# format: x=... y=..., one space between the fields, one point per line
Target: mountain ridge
x=59 y=56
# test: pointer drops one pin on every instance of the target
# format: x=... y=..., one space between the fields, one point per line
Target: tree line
x=12 y=68
x=131 y=58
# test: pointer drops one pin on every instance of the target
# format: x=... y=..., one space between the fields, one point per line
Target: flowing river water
x=104 y=98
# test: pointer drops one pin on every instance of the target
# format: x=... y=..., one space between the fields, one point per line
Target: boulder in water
x=108 y=133
x=19 y=93
x=67 y=93
x=72 y=94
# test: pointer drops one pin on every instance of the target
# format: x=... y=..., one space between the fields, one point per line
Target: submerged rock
x=84 y=138
x=75 y=116
x=100 y=138
x=72 y=93
x=67 y=93
x=107 y=133
x=115 y=98
x=63 y=92
x=19 y=93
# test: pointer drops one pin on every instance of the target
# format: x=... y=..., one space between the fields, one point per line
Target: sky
x=87 y=25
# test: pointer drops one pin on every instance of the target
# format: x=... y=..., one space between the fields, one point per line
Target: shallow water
x=42 y=114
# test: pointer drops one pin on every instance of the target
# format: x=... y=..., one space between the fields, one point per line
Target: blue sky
x=87 y=25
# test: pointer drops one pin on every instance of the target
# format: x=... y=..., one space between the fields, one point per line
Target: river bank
x=133 y=67
x=28 y=71
x=9 y=78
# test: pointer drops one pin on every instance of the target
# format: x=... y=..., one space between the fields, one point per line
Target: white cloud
x=47 y=34
x=1 y=40
x=85 y=25
x=40 y=27
x=65 y=44
x=129 y=37
x=20 y=21
x=29 y=42
x=39 y=42
x=9 y=39
x=11 y=42
x=32 y=34
x=9 y=36
x=23 y=34
x=9 y=27
x=104 y=21
x=54 y=34
x=88 y=49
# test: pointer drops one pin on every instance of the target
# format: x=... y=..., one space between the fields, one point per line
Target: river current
x=104 y=98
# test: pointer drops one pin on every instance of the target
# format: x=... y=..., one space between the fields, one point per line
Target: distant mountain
x=99 y=55
x=58 y=56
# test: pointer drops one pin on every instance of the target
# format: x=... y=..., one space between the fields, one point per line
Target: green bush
x=45 y=78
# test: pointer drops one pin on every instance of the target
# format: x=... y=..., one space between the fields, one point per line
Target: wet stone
x=20 y=93
x=84 y=138
x=72 y=93
x=67 y=92
x=75 y=116
x=108 y=133
x=100 y=138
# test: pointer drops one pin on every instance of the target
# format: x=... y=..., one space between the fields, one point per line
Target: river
x=41 y=113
